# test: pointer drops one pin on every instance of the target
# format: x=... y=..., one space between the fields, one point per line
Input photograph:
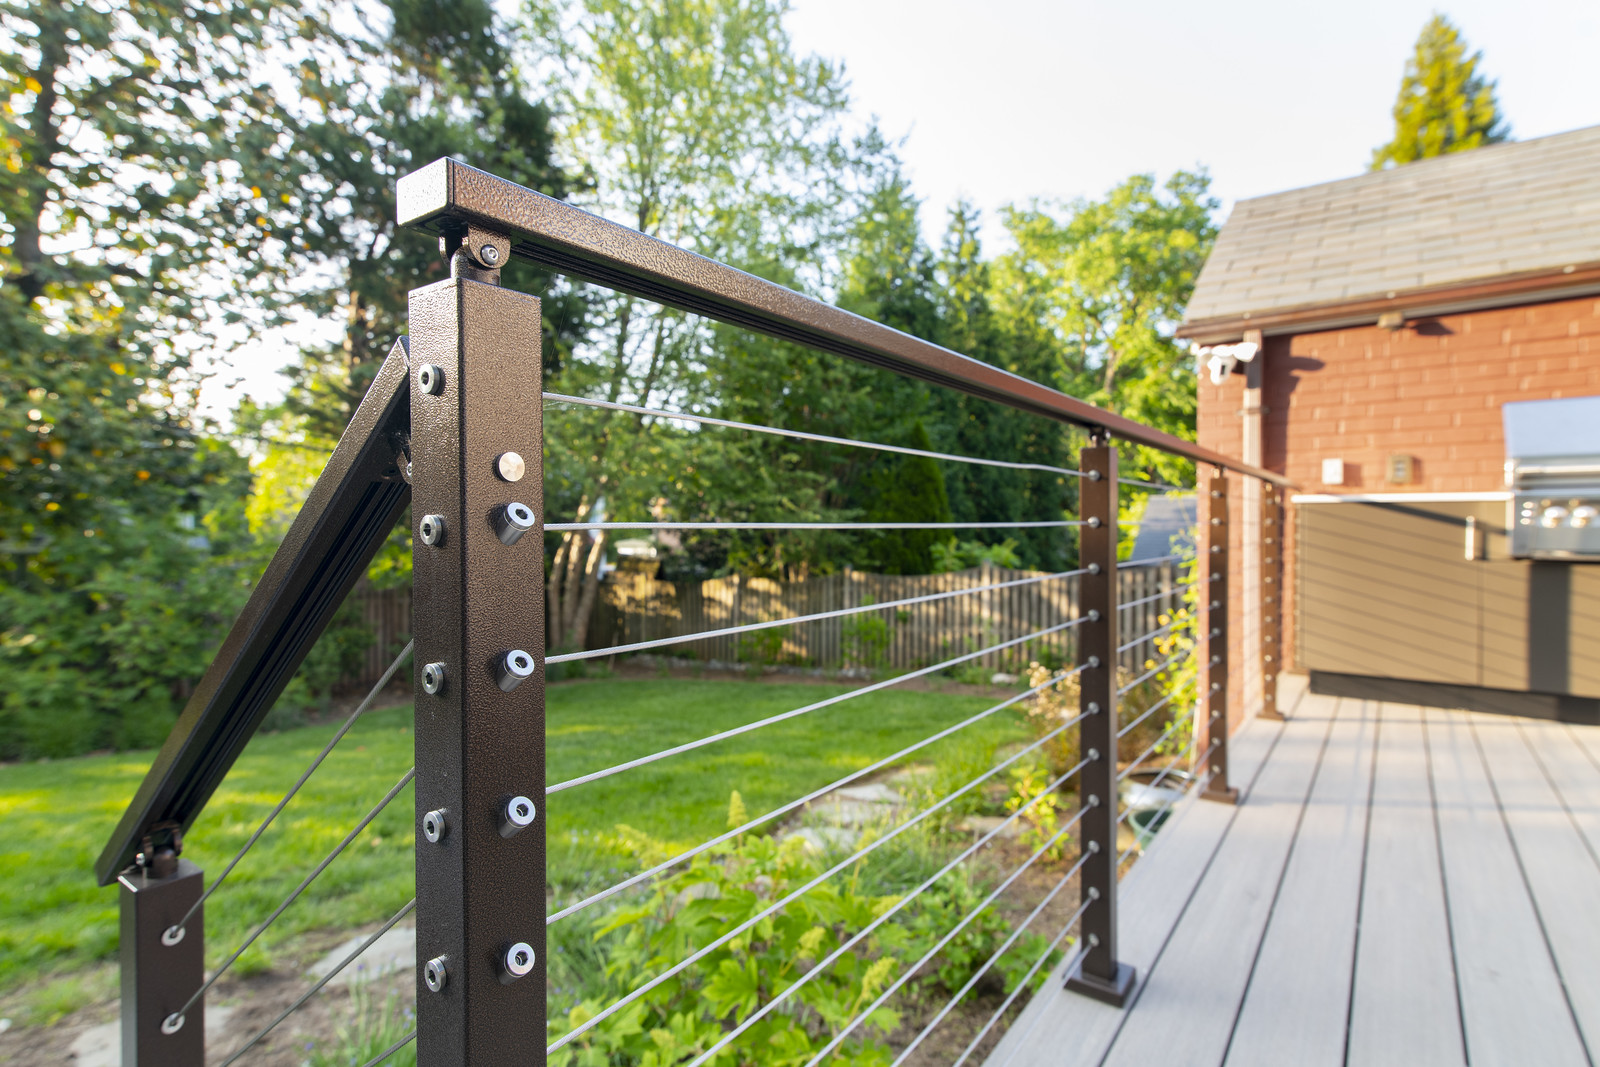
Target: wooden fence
x=636 y=607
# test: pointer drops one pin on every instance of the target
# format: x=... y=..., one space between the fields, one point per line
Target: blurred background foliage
x=184 y=175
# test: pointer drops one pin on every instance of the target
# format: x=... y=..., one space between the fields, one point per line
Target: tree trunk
x=552 y=597
x=577 y=634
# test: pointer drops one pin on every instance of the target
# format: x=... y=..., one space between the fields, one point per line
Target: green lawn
x=58 y=814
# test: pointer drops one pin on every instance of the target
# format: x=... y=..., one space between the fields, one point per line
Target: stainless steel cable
x=576 y=527
x=780 y=904
x=1151 y=710
x=1129 y=564
x=1157 y=632
x=324 y=980
x=813 y=795
x=405 y=780
x=723 y=735
x=994 y=957
x=1161 y=814
x=906 y=975
x=1157 y=669
x=1175 y=724
x=372 y=695
x=1011 y=997
x=1156 y=486
x=801 y=435
x=1168 y=769
x=391 y=1050
x=904 y=901
x=1156 y=596
x=751 y=627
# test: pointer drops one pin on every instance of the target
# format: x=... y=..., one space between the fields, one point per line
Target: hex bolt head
x=514 y=668
x=517 y=962
x=430 y=379
x=433 y=678
x=434 y=826
x=517 y=815
x=431 y=529
x=435 y=975
x=510 y=467
x=512 y=521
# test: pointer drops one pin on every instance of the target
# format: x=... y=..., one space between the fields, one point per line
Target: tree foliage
x=129 y=132
x=1445 y=103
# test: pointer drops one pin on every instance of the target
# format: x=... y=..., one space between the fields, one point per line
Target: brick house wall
x=1432 y=390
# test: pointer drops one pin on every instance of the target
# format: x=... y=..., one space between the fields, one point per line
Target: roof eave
x=1528 y=287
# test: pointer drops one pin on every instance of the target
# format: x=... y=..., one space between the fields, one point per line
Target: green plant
x=937 y=912
x=686 y=1015
x=954 y=555
x=371 y=1029
x=764 y=647
x=1042 y=819
x=866 y=639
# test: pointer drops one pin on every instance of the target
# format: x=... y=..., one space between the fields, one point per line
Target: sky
x=1010 y=100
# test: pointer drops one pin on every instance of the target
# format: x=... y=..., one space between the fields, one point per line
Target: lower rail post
x=162 y=963
x=1271 y=598
x=1098 y=973
x=1214 y=598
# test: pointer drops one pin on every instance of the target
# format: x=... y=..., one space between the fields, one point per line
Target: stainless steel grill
x=1553 y=469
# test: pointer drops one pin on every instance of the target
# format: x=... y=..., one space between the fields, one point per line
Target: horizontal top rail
x=447 y=196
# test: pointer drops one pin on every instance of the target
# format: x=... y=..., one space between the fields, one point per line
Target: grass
x=54 y=920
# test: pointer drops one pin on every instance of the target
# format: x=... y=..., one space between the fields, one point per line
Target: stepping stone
x=395 y=951
x=101 y=1046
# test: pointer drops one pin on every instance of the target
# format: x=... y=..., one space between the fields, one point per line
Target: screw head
x=517 y=815
x=514 y=668
x=517 y=962
x=434 y=826
x=433 y=678
x=435 y=975
x=430 y=379
x=431 y=529
x=510 y=466
x=490 y=254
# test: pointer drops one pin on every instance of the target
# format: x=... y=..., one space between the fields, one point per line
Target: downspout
x=1249 y=526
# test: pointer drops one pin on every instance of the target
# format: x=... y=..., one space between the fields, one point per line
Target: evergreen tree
x=1445 y=104
x=909 y=490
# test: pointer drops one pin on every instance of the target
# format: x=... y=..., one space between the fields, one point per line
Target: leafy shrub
x=687 y=1014
x=944 y=905
x=954 y=555
x=865 y=639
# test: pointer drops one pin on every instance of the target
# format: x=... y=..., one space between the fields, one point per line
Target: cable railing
x=1123 y=657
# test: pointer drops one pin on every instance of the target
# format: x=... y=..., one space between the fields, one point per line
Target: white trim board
x=1397 y=498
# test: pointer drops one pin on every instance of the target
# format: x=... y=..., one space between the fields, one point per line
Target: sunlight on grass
x=53 y=918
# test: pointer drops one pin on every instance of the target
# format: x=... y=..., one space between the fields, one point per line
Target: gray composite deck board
x=1201 y=978
x=1404 y=1010
x=1561 y=872
x=1398 y=886
x=1059 y=1027
x=1512 y=1002
x=1297 y=1005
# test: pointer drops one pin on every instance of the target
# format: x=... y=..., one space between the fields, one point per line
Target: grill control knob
x=1584 y=514
x=1553 y=516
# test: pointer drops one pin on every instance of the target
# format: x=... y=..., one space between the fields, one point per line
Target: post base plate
x=1114 y=993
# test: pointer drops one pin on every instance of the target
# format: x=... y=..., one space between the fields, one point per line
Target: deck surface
x=1398 y=886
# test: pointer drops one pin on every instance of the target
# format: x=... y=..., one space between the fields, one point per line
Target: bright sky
x=1014 y=99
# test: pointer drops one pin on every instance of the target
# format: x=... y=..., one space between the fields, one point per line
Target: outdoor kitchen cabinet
x=1422 y=588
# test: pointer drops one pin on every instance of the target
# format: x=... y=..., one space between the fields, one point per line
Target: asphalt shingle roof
x=1504 y=209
